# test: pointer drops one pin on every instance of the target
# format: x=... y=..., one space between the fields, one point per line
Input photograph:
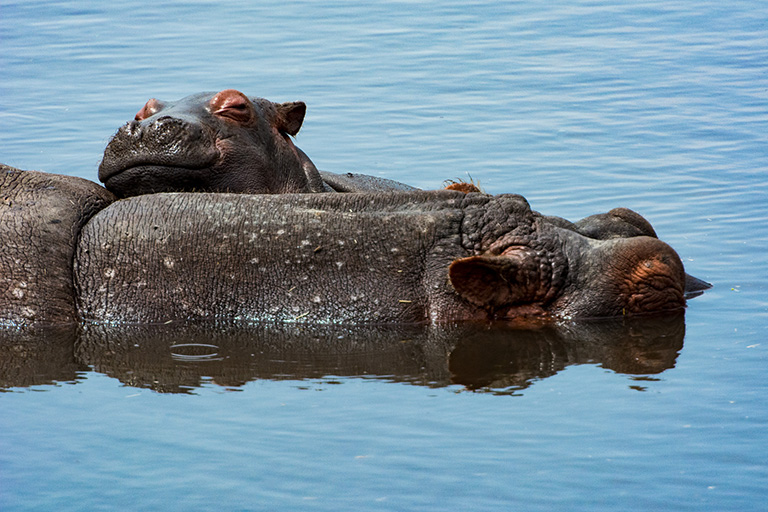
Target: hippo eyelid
x=228 y=108
x=229 y=100
x=238 y=112
x=237 y=106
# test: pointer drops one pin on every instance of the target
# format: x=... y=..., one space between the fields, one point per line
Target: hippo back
x=307 y=258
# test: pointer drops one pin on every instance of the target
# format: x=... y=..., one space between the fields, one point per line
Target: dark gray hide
x=354 y=182
x=347 y=258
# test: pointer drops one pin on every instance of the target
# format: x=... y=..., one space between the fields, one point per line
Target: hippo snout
x=141 y=151
x=164 y=142
x=169 y=131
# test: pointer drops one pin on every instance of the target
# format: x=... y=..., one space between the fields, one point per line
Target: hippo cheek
x=241 y=159
x=258 y=168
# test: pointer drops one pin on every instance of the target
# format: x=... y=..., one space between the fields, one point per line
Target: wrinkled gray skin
x=407 y=257
x=412 y=257
x=220 y=142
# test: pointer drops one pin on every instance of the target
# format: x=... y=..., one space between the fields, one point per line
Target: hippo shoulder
x=41 y=216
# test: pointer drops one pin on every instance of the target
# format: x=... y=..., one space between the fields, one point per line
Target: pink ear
x=496 y=281
x=290 y=116
x=478 y=280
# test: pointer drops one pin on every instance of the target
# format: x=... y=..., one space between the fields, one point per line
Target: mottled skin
x=220 y=142
x=410 y=257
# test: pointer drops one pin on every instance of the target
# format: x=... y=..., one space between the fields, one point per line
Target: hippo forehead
x=193 y=104
x=192 y=108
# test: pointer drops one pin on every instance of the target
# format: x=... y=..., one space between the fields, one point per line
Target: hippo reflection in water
x=384 y=253
x=178 y=358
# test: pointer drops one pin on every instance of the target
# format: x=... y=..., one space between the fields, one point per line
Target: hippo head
x=210 y=142
x=569 y=275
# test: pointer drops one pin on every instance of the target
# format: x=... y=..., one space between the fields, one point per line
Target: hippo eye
x=232 y=105
x=239 y=107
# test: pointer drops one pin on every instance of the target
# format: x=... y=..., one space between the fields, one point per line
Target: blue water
x=580 y=106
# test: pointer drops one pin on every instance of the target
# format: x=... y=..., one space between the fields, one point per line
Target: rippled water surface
x=580 y=106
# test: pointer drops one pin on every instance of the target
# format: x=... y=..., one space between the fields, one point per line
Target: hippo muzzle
x=180 y=150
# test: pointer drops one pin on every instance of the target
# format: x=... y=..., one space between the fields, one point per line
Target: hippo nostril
x=166 y=119
x=133 y=128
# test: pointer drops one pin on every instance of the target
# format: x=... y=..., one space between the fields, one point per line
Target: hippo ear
x=496 y=281
x=290 y=116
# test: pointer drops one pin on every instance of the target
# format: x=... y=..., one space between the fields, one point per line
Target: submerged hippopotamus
x=405 y=257
x=220 y=142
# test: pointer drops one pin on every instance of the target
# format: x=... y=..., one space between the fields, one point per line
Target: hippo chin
x=220 y=142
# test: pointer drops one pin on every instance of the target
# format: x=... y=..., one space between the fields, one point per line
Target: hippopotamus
x=220 y=142
x=74 y=254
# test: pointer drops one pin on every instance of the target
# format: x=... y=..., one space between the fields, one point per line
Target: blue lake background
x=580 y=106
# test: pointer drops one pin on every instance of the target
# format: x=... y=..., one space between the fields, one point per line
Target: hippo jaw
x=216 y=142
x=136 y=179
